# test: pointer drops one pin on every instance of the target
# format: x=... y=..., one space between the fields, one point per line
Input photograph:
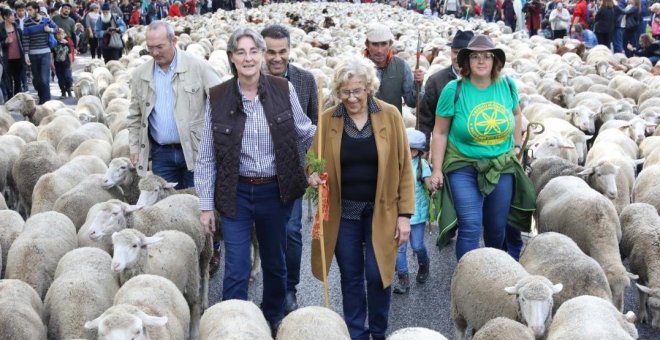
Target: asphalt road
x=424 y=306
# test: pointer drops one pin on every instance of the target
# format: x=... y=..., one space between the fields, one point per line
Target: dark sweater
x=359 y=168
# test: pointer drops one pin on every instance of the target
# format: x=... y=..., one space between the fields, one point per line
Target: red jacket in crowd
x=174 y=11
x=580 y=14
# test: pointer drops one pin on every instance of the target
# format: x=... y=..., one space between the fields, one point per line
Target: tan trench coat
x=394 y=186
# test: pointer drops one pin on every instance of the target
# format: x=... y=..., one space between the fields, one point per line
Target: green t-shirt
x=482 y=120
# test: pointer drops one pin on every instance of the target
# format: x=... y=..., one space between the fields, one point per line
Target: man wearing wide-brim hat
x=437 y=82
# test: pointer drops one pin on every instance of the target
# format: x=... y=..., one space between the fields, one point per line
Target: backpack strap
x=458 y=90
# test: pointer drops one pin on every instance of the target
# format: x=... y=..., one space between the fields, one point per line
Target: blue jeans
x=488 y=18
x=257 y=204
x=617 y=40
x=40 y=65
x=356 y=259
x=417 y=243
x=64 y=78
x=294 y=246
x=477 y=213
x=513 y=244
x=169 y=163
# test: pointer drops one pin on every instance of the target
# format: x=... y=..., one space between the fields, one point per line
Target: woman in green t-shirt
x=477 y=132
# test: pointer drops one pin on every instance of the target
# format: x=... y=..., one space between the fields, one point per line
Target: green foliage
x=314 y=164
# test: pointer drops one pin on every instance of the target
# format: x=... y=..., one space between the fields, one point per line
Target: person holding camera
x=110 y=27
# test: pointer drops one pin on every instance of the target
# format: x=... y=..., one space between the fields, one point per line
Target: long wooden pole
x=319 y=132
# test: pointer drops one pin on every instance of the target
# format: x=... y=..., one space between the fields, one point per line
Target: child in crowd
x=422 y=171
x=62 y=59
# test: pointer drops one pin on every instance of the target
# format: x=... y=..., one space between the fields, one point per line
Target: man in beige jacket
x=168 y=103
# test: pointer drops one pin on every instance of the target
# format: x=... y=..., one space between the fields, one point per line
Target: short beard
x=106 y=19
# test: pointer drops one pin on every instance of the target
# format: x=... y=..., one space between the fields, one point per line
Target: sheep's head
x=602 y=178
x=124 y=322
x=153 y=188
x=652 y=304
x=582 y=118
x=110 y=217
x=118 y=172
x=534 y=294
x=548 y=145
x=619 y=280
x=127 y=245
x=23 y=103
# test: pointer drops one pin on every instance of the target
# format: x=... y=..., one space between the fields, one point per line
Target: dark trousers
x=257 y=204
x=558 y=34
x=40 y=65
x=111 y=54
x=356 y=259
x=14 y=69
x=94 y=49
x=63 y=73
x=294 y=246
x=617 y=40
x=629 y=38
x=604 y=38
x=169 y=163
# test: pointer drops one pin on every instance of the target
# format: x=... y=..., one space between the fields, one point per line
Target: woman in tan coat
x=371 y=185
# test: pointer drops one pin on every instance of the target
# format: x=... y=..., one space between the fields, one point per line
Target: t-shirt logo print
x=489 y=124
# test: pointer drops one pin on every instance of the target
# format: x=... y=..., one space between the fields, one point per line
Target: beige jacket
x=192 y=80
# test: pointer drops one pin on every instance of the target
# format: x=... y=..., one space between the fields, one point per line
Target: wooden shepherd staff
x=418 y=85
x=320 y=207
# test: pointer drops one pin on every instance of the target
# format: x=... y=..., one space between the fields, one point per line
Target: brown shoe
x=215 y=262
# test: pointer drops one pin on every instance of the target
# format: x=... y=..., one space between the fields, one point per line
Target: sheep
x=628 y=86
x=83 y=288
x=234 y=318
x=168 y=253
x=503 y=329
x=640 y=242
x=52 y=185
x=85 y=85
x=115 y=90
x=145 y=307
x=94 y=147
x=635 y=128
x=21 y=311
x=570 y=132
x=76 y=202
x=60 y=112
x=11 y=147
x=490 y=276
x=558 y=258
x=600 y=177
x=25 y=104
x=154 y=188
x=599 y=229
x=590 y=317
x=647 y=188
x=55 y=130
x=648 y=94
x=25 y=130
x=580 y=116
x=6 y=120
x=72 y=140
x=3 y=203
x=313 y=322
x=120 y=146
x=103 y=79
x=605 y=89
x=36 y=159
x=90 y=109
x=123 y=174
x=178 y=212
x=11 y=224
x=33 y=256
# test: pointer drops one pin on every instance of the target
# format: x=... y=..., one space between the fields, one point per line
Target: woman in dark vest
x=250 y=169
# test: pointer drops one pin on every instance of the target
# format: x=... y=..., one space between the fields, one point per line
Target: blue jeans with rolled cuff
x=168 y=162
x=478 y=214
x=294 y=246
x=356 y=259
x=257 y=204
x=417 y=244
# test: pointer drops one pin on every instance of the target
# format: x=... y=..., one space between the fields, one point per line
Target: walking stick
x=418 y=85
x=320 y=207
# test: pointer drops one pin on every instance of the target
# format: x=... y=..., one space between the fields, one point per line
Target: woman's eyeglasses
x=345 y=94
x=481 y=56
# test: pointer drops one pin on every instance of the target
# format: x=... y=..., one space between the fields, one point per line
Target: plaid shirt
x=305 y=85
x=257 y=157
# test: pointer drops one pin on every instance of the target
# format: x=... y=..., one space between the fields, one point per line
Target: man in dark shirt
x=65 y=22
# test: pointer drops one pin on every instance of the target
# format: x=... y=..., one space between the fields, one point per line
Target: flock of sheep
x=104 y=253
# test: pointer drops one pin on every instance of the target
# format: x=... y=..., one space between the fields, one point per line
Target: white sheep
x=122 y=173
x=177 y=212
x=168 y=253
x=570 y=132
x=567 y=202
x=488 y=283
x=52 y=185
x=634 y=128
x=25 y=130
x=72 y=140
x=76 y=202
x=312 y=323
x=21 y=311
x=55 y=130
x=6 y=121
x=415 y=333
x=581 y=117
x=90 y=109
x=590 y=317
x=601 y=177
x=85 y=85
x=154 y=188
x=503 y=329
x=26 y=105
x=115 y=90
x=145 y=307
x=33 y=256
x=11 y=224
x=11 y=147
x=234 y=318
x=647 y=187
x=558 y=258
x=94 y=147
x=120 y=146
x=83 y=289
x=36 y=159
x=640 y=243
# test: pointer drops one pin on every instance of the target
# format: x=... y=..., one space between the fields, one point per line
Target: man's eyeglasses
x=482 y=56
x=242 y=54
x=157 y=47
x=345 y=94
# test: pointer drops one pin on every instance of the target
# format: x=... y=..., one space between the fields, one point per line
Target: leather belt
x=257 y=180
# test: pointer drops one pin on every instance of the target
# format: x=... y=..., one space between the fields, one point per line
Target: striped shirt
x=162 y=123
x=257 y=157
x=36 y=42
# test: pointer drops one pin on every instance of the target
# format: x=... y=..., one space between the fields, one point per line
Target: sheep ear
x=632 y=276
x=586 y=172
x=643 y=288
x=639 y=161
x=93 y=324
x=149 y=240
x=588 y=137
x=149 y=320
x=557 y=288
x=511 y=290
x=170 y=185
x=132 y=208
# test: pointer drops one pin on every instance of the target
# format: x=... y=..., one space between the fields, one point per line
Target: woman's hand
x=314 y=180
x=402 y=230
x=437 y=180
x=207 y=219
